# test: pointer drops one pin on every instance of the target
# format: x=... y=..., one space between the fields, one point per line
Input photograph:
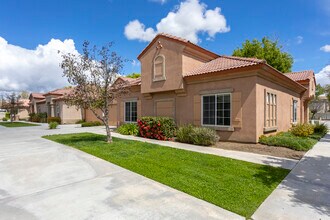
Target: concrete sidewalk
x=305 y=192
x=41 y=179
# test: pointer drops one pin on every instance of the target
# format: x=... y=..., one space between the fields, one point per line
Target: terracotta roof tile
x=58 y=91
x=300 y=76
x=131 y=81
x=37 y=95
x=224 y=63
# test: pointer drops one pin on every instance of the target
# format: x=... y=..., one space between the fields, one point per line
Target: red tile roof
x=224 y=63
x=58 y=91
x=179 y=40
x=131 y=81
x=300 y=76
x=37 y=95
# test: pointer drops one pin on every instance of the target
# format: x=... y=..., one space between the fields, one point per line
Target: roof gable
x=178 y=40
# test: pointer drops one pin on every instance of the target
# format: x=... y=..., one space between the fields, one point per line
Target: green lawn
x=16 y=124
x=235 y=185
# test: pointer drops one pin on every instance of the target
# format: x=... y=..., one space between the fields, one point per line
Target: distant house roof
x=58 y=91
x=179 y=40
x=224 y=63
x=131 y=81
x=301 y=75
x=37 y=95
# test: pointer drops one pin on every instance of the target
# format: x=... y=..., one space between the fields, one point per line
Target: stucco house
x=241 y=98
x=53 y=104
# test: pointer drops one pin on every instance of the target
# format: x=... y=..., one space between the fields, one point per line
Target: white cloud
x=33 y=70
x=325 y=48
x=159 y=1
x=135 y=63
x=135 y=30
x=189 y=19
x=299 y=39
x=323 y=77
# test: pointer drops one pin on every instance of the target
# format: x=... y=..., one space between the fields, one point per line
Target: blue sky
x=302 y=26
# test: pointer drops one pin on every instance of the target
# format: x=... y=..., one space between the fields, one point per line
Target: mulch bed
x=261 y=149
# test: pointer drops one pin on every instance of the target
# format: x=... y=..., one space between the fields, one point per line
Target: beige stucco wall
x=68 y=114
x=285 y=98
x=173 y=67
x=41 y=107
x=113 y=115
x=23 y=113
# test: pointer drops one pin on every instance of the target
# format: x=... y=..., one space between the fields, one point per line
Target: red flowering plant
x=160 y=128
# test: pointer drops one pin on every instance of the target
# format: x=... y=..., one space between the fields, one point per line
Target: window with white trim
x=159 y=68
x=131 y=111
x=270 y=110
x=216 y=109
x=294 y=110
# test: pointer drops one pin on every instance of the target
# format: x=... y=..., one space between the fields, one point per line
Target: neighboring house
x=24 y=109
x=36 y=99
x=53 y=104
x=241 y=98
x=322 y=106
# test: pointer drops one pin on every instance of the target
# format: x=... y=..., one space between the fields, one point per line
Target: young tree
x=93 y=74
x=12 y=104
x=269 y=50
x=25 y=94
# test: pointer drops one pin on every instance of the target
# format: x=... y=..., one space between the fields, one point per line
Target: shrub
x=128 y=129
x=197 y=135
x=184 y=134
x=302 y=130
x=7 y=115
x=161 y=128
x=54 y=119
x=39 y=117
x=53 y=125
x=80 y=121
x=4 y=119
x=321 y=129
x=91 y=124
x=286 y=139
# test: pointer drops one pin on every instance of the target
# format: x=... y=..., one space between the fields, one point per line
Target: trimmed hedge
x=39 y=117
x=128 y=129
x=197 y=135
x=160 y=128
x=80 y=121
x=54 y=119
x=91 y=124
x=4 y=119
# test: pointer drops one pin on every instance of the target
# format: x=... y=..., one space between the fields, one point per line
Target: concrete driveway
x=40 y=179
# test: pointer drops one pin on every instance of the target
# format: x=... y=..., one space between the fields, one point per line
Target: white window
x=130 y=111
x=294 y=110
x=159 y=68
x=270 y=110
x=57 y=110
x=216 y=109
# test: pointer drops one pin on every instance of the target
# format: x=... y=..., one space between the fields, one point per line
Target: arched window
x=159 y=68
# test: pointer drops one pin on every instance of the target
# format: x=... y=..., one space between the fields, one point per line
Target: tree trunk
x=107 y=128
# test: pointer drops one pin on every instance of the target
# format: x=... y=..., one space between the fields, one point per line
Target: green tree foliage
x=319 y=90
x=133 y=75
x=269 y=50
